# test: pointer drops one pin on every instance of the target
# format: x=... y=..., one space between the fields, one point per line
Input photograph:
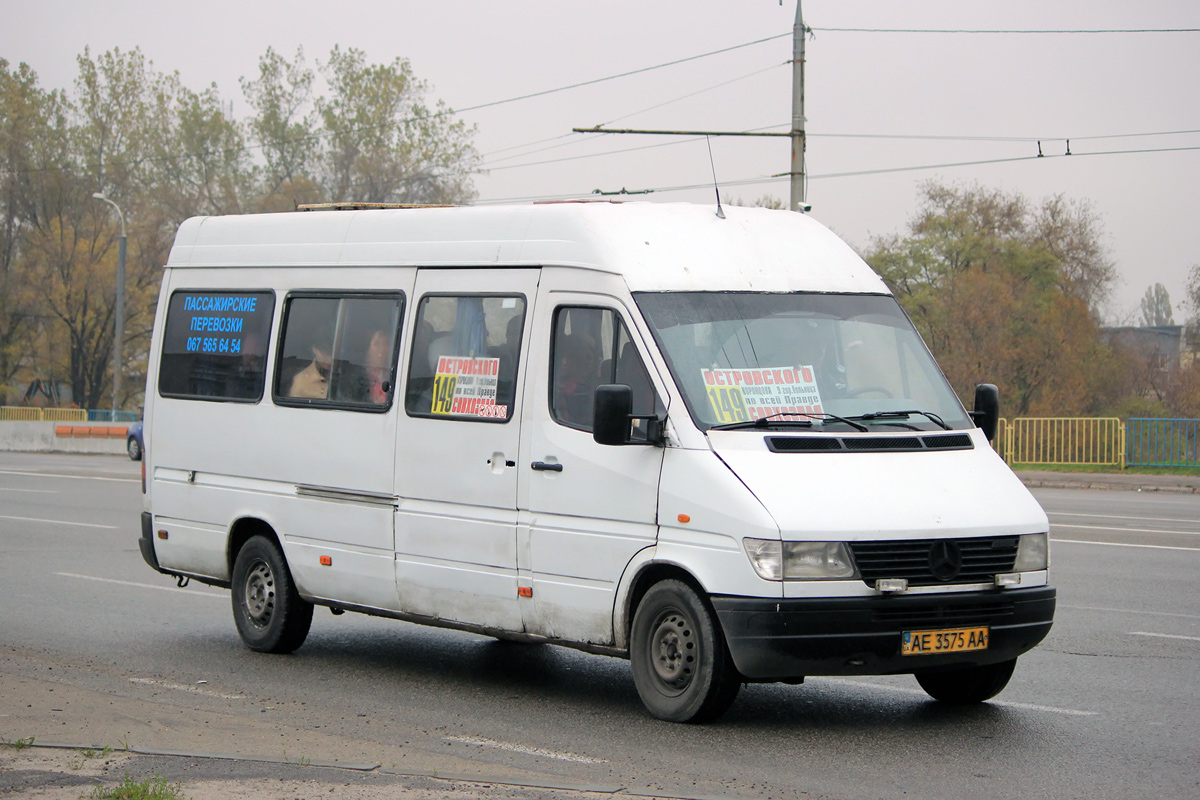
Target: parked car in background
x=135 y=445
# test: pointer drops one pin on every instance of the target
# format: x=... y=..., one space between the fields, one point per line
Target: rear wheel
x=134 y=448
x=969 y=684
x=681 y=665
x=270 y=614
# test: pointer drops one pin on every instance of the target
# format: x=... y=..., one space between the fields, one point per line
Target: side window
x=215 y=345
x=464 y=357
x=591 y=347
x=339 y=350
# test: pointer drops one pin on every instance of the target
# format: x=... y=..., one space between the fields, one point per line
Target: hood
x=847 y=496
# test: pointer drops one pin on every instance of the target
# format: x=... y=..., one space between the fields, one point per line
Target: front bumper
x=790 y=638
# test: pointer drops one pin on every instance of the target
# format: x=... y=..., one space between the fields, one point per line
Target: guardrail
x=1162 y=442
x=31 y=414
x=1064 y=440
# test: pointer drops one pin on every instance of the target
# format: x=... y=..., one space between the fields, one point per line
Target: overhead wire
x=856 y=173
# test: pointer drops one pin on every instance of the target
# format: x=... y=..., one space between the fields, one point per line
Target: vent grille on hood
x=870 y=444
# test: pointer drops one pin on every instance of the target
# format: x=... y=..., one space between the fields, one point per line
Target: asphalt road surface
x=97 y=649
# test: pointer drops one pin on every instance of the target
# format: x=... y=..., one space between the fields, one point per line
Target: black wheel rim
x=674 y=651
x=259 y=594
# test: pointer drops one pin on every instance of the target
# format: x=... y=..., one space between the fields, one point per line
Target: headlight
x=1033 y=553
x=790 y=561
x=766 y=556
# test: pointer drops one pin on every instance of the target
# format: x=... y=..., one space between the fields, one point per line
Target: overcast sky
x=998 y=93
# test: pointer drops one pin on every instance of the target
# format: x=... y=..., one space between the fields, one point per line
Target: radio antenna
x=711 y=163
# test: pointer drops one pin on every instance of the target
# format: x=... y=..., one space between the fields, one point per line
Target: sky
x=886 y=111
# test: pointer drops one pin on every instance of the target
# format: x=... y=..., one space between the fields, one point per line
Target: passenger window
x=215 y=345
x=339 y=351
x=592 y=347
x=464 y=357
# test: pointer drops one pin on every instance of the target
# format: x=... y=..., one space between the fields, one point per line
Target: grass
x=155 y=788
x=19 y=744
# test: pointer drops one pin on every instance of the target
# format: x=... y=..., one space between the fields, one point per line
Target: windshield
x=800 y=359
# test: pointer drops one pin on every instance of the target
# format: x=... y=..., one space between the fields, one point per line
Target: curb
x=1036 y=483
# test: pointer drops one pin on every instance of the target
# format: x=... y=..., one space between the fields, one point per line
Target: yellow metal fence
x=1062 y=440
x=27 y=414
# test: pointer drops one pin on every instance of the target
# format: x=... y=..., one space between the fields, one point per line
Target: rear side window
x=464 y=359
x=339 y=351
x=215 y=345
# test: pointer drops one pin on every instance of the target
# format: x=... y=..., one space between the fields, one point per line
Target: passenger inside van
x=313 y=381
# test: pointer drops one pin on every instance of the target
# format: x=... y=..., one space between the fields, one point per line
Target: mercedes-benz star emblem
x=945 y=560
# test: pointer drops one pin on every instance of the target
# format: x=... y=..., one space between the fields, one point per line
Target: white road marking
x=72 y=477
x=1131 y=611
x=1115 y=516
x=59 y=522
x=1124 y=544
x=175 y=589
x=30 y=491
x=181 y=688
x=1123 y=530
x=526 y=749
x=1166 y=636
x=1073 y=712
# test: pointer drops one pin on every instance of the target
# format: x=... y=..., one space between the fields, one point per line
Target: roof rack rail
x=354 y=206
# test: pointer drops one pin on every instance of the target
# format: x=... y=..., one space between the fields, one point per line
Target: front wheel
x=134 y=448
x=270 y=614
x=968 y=684
x=681 y=665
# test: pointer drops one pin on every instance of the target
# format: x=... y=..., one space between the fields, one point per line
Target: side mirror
x=987 y=409
x=612 y=417
x=611 y=412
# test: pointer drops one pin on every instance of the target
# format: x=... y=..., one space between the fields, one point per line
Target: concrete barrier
x=41 y=437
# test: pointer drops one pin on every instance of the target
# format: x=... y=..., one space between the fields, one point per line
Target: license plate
x=955 y=640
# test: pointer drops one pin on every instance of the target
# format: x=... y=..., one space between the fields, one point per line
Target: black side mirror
x=612 y=417
x=987 y=409
x=611 y=412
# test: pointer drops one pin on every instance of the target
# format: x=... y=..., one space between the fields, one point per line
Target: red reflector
x=162 y=534
x=525 y=591
x=326 y=561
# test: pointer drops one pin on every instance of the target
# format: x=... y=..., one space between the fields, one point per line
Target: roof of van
x=655 y=246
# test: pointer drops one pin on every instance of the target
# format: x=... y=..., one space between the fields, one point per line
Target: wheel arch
x=242 y=530
x=643 y=577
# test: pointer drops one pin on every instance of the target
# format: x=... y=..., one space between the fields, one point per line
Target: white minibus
x=710 y=443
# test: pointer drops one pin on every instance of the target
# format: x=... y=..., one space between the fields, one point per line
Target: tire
x=681 y=664
x=134 y=448
x=967 y=685
x=269 y=613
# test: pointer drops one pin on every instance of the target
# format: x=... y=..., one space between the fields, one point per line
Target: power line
x=858 y=173
x=1006 y=31
x=577 y=140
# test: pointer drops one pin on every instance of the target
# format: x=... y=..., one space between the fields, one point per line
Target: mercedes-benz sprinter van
x=713 y=445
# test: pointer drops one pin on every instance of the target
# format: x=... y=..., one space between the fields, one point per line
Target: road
x=95 y=648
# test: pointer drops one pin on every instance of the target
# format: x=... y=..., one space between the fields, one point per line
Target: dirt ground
x=84 y=738
x=53 y=773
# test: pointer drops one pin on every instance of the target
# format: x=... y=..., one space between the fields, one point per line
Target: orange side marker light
x=524 y=591
x=326 y=561
x=684 y=518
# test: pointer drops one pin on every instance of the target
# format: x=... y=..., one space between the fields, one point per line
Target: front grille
x=915 y=560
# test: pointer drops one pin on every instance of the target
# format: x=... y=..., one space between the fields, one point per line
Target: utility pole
x=798 y=200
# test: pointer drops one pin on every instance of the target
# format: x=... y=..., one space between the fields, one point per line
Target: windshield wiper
x=770 y=419
x=934 y=418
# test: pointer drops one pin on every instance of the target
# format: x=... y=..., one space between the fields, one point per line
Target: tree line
x=1003 y=289
x=340 y=130
x=1009 y=291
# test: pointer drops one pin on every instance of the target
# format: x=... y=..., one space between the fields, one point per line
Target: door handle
x=544 y=467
